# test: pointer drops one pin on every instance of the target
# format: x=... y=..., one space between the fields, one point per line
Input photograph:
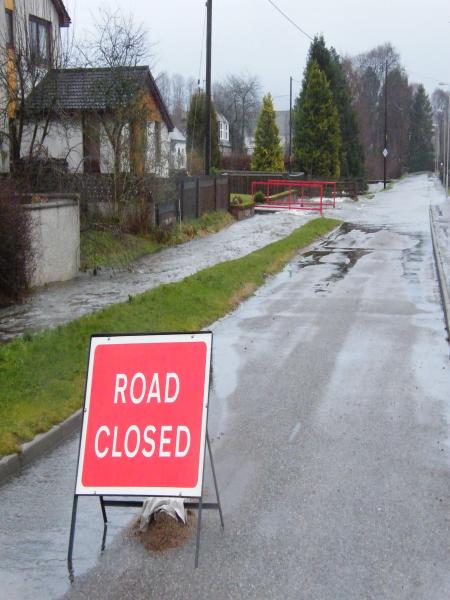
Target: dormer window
x=9 y=28
x=40 y=40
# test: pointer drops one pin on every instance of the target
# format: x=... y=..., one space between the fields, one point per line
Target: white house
x=177 y=150
x=249 y=144
x=31 y=28
x=224 y=134
x=102 y=120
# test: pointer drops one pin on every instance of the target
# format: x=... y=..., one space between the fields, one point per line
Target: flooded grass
x=109 y=248
x=42 y=376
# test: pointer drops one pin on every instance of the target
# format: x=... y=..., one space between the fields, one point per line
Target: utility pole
x=385 y=150
x=290 y=124
x=208 y=86
x=448 y=143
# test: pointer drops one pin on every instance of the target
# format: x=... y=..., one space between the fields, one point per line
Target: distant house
x=224 y=134
x=102 y=120
x=177 y=150
x=249 y=144
x=282 y=119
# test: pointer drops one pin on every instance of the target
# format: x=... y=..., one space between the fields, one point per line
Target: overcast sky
x=251 y=36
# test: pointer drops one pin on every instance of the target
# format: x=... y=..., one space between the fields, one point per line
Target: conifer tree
x=196 y=132
x=420 y=150
x=351 y=156
x=268 y=154
x=317 y=135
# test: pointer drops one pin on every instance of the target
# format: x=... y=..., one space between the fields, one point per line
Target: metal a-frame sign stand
x=191 y=503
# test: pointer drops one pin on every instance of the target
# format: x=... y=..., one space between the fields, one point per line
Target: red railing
x=309 y=184
x=294 y=194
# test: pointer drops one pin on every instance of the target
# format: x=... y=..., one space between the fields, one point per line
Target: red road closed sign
x=145 y=415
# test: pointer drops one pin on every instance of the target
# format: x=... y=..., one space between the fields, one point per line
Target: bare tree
x=177 y=92
x=165 y=87
x=118 y=44
x=130 y=137
x=376 y=59
x=116 y=41
x=238 y=98
x=179 y=103
x=368 y=73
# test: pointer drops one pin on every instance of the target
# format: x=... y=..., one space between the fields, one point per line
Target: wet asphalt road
x=329 y=420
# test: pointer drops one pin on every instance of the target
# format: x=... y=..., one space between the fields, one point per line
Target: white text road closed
x=145 y=415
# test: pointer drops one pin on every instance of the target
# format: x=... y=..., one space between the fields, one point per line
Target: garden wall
x=55 y=225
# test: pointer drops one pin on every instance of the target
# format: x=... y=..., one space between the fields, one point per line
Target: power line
x=198 y=81
x=290 y=20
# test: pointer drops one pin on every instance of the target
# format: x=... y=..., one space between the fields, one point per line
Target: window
x=157 y=142
x=91 y=144
x=9 y=28
x=40 y=40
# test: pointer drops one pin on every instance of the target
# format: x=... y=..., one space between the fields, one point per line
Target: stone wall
x=56 y=238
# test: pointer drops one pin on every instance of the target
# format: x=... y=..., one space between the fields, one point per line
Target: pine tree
x=196 y=134
x=268 y=154
x=317 y=135
x=351 y=155
x=420 y=150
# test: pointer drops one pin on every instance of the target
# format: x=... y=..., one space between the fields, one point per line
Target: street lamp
x=446 y=141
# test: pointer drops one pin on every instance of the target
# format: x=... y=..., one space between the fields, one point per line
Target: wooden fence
x=195 y=196
x=241 y=182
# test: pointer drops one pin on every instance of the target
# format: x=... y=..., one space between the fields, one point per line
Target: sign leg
x=105 y=530
x=199 y=525
x=215 y=480
x=102 y=504
x=72 y=528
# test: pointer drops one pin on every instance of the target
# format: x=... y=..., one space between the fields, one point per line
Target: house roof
x=64 y=19
x=222 y=118
x=99 y=89
x=177 y=136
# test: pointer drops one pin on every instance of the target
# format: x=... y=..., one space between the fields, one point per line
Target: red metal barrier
x=309 y=184
x=294 y=203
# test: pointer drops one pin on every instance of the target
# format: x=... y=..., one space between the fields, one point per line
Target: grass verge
x=42 y=375
x=111 y=248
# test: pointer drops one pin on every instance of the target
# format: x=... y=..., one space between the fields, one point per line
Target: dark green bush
x=16 y=253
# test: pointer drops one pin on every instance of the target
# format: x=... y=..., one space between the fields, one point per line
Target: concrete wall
x=56 y=239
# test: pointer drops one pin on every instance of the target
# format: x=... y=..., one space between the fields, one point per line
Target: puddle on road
x=342 y=262
x=339 y=253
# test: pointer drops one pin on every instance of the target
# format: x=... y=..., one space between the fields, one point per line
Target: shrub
x=259 y=197
x=16 y=253
x=162 y=234
x=235 y=162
